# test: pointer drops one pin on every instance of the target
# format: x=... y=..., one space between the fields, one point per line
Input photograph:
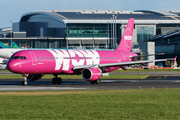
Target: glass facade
x=168 y=49
x=159 y=26
x=36 y=43
x=100 y=35
x=87 y=30
x=144 y=33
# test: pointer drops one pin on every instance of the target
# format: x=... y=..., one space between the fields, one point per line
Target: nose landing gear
x=25 y=82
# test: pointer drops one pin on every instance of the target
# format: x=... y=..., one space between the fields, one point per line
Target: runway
x=80 y=84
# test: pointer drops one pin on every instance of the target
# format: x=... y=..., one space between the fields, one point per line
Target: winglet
x=126 y=40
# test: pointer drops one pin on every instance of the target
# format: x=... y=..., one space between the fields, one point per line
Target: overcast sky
x=12 y=10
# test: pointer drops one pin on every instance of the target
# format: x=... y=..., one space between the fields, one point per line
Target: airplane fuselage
x=63 y=61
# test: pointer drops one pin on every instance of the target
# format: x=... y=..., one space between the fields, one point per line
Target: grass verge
x=145 y=104
x=78 y=77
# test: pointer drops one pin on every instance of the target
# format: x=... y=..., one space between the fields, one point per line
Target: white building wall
x=151 y=50
x=148 y=48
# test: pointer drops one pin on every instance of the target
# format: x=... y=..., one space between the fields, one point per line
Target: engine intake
x=91 y=74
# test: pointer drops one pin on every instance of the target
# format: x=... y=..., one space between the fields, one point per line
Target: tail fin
x=2 y=45
x=14 y=45
x=126 y=40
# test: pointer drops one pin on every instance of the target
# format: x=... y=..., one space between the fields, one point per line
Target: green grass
x=135 y=104
x=78 y=77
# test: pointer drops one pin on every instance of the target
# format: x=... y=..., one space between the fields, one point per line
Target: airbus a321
x=92 y=64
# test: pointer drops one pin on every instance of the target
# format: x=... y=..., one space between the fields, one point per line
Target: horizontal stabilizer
x=144 y=64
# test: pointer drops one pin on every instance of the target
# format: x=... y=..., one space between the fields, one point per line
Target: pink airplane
x=92 y=64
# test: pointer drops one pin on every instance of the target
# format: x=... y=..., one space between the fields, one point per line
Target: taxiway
x=80 y=84
x=157 y=80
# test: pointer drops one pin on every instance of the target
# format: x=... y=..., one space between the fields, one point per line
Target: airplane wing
x=119 y=64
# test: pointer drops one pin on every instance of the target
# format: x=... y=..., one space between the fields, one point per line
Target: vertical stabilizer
x=126 y=40
x=14 y=45
x=2 y=45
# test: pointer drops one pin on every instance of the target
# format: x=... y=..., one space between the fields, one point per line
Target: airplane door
x=123 y=57
x=34 y=59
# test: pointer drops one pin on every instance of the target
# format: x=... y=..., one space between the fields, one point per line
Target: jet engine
x=34 y=77
x=91 y=74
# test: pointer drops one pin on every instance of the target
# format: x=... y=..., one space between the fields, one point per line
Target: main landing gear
x=95 y=81
x=56 y=80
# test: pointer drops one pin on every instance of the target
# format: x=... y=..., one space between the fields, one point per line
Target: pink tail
x=126 y=40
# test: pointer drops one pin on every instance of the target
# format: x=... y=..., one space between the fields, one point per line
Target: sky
x=12 y=10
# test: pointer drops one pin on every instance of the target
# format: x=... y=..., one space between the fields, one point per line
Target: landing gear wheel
x=95 y=81
x=59 y=80
x=56 y=81
x=98 y=81
x=25 y=82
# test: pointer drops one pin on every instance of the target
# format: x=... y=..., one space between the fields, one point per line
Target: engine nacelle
x=91 y=73
x=34 y=77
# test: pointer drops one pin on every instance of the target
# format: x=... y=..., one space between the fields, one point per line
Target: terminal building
x=154 y=31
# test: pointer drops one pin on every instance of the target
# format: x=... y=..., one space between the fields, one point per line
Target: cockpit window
x=19 y=57
x=24 y=57
x=16 y=57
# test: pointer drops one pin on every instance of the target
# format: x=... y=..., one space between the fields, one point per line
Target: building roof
x=100 y=16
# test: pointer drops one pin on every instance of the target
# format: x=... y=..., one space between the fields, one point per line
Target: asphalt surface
x=15 y=85
x=159 y=80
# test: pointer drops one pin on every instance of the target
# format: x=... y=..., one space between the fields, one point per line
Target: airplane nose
x=11 y=66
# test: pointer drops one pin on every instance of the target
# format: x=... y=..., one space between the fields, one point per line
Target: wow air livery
x=92 y=64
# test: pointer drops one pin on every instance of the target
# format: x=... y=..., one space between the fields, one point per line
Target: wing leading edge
x=119 y=64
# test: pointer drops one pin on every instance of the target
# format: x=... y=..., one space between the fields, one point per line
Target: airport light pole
x=111 y=33
x=11 y=31
x=108 y=37
x=113 y=30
